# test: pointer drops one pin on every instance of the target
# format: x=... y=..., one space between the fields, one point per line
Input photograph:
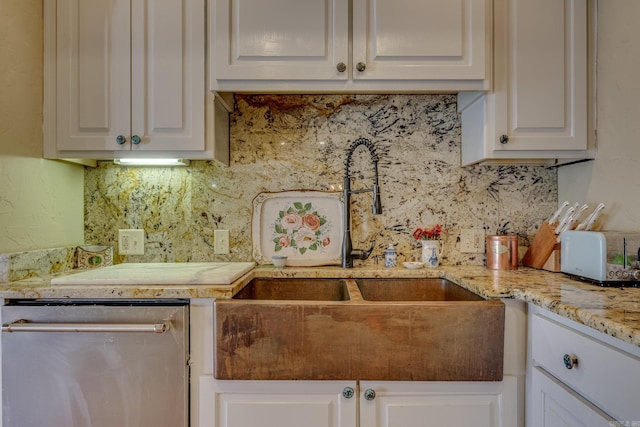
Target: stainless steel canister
x=502 y=252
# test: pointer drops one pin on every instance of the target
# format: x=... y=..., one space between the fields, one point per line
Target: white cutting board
x=182 y=273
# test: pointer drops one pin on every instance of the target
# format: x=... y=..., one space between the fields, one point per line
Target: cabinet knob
x=341 y=67
x=360 y=66
x=570 y=361
x=135 y=139
x=120 y=139
x=348 y=392
x=504 y=139
x=369 y=394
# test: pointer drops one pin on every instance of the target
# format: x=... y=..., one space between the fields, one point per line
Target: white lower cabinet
x=357 y=403
x=283 y=403
x=472 y=404
x=577 y=376
x=555 y=405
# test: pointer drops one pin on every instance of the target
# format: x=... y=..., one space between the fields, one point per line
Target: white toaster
x=608 y=258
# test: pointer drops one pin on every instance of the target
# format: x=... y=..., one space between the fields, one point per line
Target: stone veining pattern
x=37 y=263
x=296 y=142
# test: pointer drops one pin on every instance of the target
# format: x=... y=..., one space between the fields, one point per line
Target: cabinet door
x=540 y=75
x=283 y=404
x=280 y=39
x=93 y=66
x=430 y=404
x=421 y=40
x=130 y=68
x=168 y=74
x=554 y=405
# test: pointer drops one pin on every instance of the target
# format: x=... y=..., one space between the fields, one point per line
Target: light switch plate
x=131 y=242
x=472 y=240
x=221 y=242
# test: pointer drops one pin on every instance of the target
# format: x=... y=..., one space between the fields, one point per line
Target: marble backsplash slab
x=295 y=142
x=37 y=263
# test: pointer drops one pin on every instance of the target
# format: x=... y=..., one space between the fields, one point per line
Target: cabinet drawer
x=606 y=376
x=555 y=405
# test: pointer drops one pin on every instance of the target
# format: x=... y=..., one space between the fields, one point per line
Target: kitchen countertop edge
x=613 y=311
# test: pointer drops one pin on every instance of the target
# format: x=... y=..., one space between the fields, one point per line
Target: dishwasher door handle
x=27 y=326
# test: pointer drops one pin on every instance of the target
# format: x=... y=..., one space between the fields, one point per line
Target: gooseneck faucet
x=348 y=253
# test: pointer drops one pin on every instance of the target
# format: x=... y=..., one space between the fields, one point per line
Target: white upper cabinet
x=328 y=46
x=93 y=66
x=538 y=109
x=420 y=40
x=279 y=39
x=125 y=78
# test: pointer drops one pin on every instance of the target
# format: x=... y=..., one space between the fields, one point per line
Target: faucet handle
x=373 y=245
x=362 y=254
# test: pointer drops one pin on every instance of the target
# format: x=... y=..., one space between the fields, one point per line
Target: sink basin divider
x=354 y=291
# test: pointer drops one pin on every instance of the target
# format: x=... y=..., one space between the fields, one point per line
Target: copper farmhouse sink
x=358 y=329
x=414 y=290
x=295 y=289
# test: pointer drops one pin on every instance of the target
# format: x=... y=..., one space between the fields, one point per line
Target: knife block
x=543 y=246
x=553 y=262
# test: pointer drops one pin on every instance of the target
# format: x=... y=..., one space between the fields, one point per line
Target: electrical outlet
x=472 y=240
x=221 y=242
x=131 y=242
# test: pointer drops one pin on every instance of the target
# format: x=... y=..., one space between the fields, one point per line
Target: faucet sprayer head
x=377 y=203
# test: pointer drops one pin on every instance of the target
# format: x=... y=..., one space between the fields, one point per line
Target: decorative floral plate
x=305 y=226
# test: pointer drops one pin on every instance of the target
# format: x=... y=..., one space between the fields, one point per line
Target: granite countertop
x=613 y=311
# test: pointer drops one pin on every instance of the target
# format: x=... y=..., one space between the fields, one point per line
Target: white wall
x=614 y=177
x=41 y=201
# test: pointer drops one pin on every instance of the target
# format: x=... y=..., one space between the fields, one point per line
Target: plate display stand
x=306 y=226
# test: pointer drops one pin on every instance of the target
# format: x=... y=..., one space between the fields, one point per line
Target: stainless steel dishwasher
x=95 y=363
